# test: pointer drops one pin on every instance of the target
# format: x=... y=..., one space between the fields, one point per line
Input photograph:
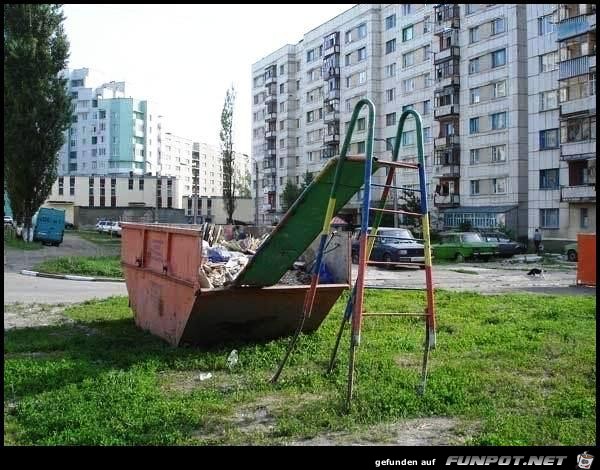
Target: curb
x=70 y=277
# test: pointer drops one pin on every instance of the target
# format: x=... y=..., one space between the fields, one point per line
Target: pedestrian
x=537 y=240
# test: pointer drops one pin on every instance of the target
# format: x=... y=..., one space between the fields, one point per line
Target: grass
x=102 y=239
x=106 y=266
x=513 y=369
x=19 y=244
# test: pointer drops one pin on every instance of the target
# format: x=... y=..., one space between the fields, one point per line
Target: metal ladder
x=355 y=305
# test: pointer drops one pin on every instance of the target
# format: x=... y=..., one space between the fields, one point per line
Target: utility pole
x=157 y=198
x=195 y=207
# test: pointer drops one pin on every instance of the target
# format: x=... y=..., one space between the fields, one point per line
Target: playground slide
x=303 y=222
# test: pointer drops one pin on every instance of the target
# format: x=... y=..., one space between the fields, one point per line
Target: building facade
x=562 y=120
x=109 y=133
x=468 y=69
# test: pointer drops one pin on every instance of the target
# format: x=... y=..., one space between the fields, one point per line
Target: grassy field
x=510 y=369
x=102 y=239
x=19 y=244
x=106 y=266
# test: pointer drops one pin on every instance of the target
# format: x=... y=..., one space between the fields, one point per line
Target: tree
x=308 y=178
x=243 y=183
x=290 y=194
x=410 y=201
x=37 y=106
x=229 y=179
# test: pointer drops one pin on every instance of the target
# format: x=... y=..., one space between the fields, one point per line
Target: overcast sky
x=184 y=57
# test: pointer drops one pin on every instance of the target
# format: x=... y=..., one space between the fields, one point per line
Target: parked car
x=462 y=245
x=49 y=226
x=115 y=228
x=571 y=251
x=8 y=220
x=506 y=246
x=101 y=225
x=394 y=244
x=70 y=225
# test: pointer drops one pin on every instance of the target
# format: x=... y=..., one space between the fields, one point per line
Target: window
x=390 y=22
x=549 y=218
x=426 y=107
x=499 y=89
x=426 y=52
x=360 y=147
x=310 y=116
x=499 y=185
x=584 y=220
x=549 y=139
x=474 y=66
x=362 y=77
x=362 y=54
x=426 y=24
x=474 y=125
x=498 y=26
x=348 y=59
x=406 y=9
x=390 y=46
x=389 y=143
x=549 y=61
x=408 y=59
x=408 y=138
x=390 y=119
x=545 y=25
x=474 y=156
x=499 y=120
x=578 y=129
x=548 y=100
x=475 y=95
x=473 y=34
x=474 y=187
x=362 y=31
x=281 y=87
x=407 y=33
x=141 y=184
x=130 y=183
x=389 y=95
x=549 y=179
x=498 y=153
x=498 y=58
x=408 y=85
x=310 y=55
x=390 y=70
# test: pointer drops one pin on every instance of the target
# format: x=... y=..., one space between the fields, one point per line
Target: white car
x=115 y=228
x=8 y=220
x=101 y=226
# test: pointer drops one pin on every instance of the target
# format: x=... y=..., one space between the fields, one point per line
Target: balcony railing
x=450 y=200
x=270 y=134
x=333 y=49
x=271 y=116
x=575 y=26
x=330 y=72
x=333 y=94
x=451 y=79
x=448 y=110
x=452 y=52
x=271 y=152
x=270 y=80
x=330 y=116
x=329 y=139
x=578 y=66
x=447 y=170
x=446 y=16
x=585 y=192
x=447 y=140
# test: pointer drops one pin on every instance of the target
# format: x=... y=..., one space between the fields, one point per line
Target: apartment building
x=468 y=69
x=562 y=120
x=109 y=133
x=175 y=159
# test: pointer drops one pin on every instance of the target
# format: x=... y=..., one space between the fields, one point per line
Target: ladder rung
x=392 y=211
x=395 y=187
x=396 y=263
x=395 y=288
x=414 y=166
x=373 y=314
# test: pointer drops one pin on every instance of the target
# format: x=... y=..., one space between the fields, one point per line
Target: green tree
x=410 y=201
x=226 y=135
x=290 y=194
x=244 y=183
x=308 y=178
x=37 y=107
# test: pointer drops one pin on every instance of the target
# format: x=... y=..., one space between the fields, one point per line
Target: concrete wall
x=86 y=217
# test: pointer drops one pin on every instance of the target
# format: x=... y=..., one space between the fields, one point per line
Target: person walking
x=537 y=240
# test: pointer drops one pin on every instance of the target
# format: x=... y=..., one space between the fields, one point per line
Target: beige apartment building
x=466 y=68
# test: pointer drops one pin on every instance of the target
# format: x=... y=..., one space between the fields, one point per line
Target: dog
x=536 y=272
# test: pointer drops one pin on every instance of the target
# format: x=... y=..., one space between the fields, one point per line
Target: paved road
x=72 y=245
x=27 y=289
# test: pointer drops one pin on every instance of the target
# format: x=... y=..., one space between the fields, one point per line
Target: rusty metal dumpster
x=160 y=265
x=586 y=259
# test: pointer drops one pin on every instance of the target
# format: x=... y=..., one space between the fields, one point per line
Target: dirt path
x=72 y=245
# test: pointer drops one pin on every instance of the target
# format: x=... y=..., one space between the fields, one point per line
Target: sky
x=185 y=57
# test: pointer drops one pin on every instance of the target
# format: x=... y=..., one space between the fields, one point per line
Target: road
x=27 y=289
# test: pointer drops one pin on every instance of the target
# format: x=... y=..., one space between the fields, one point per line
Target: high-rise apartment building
x=562 y=119
x=468 y=69
x=109 y=133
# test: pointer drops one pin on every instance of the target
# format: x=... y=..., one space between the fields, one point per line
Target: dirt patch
x=20 y=315
x=188 y=381
x=409 y=361
x=413 y=432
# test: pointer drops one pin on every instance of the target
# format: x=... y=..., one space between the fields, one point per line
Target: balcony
x=572 y=149
x=575 y=26
x=447 y=171
x=330 y=151
x=271 y=116
x=271 y=134
x=270 y=80
x=331 y=116
x=333 y=94
x=582 y=193
x=271 y=98
x=448 y=110
x=269 y=189
x=330 y=72
x=330 y=139
x=578 y=66
x=447 y=140
x=270 y=153
x=446 y=16
x=452 y=52
x=450 y=200
x=447 y=80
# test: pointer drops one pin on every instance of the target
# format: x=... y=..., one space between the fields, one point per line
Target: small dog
x=536 y=272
